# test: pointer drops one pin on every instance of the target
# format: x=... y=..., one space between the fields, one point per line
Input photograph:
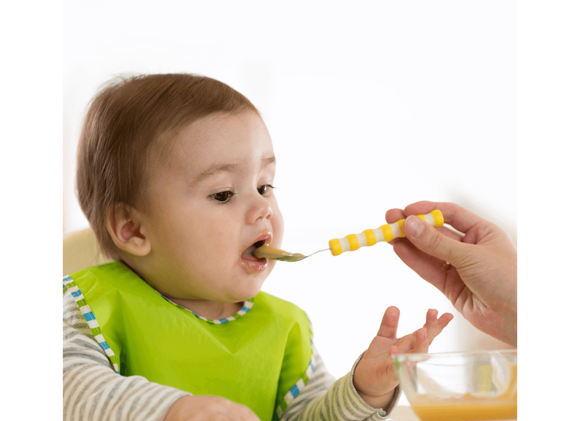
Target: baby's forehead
x=238 y=142
x=216 y=127
x=172 y=146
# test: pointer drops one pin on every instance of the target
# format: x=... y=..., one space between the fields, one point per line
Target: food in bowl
x=460 y=386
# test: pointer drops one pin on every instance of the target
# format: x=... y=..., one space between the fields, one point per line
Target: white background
x=369 y=107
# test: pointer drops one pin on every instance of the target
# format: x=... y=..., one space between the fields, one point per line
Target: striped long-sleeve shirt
x=94 y=391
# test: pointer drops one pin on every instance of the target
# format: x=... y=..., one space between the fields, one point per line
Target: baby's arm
x=92 y=389
x=323 y=397
x=372 y=373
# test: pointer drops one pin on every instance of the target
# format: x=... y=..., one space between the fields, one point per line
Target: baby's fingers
x=435 y=326
x=406 y=343
x=417 y=342
x=431 y=318
x=421 y=341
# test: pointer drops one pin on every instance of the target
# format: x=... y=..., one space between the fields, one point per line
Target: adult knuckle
x=435 y=242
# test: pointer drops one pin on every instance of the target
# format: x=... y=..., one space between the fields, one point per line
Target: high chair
x=81 y=250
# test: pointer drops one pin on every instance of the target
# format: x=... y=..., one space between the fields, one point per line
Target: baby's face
x=209 y=203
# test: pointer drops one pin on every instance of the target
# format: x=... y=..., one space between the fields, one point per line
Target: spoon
x=352 y=242
x=273 y=253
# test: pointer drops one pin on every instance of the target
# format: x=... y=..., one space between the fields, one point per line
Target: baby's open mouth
x=249 y=252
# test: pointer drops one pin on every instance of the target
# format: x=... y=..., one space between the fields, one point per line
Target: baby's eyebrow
x=217 y=168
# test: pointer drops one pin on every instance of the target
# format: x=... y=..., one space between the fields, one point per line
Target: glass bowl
x=460 y=386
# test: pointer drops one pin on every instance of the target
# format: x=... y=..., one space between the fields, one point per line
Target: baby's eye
x=222 y=197
x=263 y=190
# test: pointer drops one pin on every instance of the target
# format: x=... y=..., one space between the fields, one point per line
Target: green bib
x=261 y=357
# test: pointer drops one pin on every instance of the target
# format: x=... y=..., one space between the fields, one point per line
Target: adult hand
x=208 y=408
x=481 y=282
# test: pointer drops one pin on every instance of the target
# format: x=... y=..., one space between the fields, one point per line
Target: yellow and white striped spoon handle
x=385 y=232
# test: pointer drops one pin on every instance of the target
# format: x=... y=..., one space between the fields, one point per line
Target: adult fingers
x=427 y=239
x=426 y=266
x=448 y=232
x=453 y=214
x=393 y=215
x=390 y=323
x=432 y=269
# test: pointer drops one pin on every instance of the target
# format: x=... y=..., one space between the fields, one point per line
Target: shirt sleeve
x=323 y=398
x=92 y=390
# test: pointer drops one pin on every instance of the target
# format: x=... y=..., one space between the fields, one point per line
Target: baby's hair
x=129 y=127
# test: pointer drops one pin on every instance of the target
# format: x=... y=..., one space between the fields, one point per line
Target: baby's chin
x=251 y=292
x=248 y=290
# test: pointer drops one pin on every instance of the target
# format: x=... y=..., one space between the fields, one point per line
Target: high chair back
x=80 y=251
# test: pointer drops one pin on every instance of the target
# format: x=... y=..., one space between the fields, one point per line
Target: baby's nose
x=260 y=209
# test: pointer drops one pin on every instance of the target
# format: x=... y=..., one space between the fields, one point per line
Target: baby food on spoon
x=266 y=252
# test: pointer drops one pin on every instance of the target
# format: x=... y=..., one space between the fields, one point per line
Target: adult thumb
x=427 y=239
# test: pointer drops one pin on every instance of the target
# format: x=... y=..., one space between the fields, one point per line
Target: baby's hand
x=208 y=408
x=374 y=376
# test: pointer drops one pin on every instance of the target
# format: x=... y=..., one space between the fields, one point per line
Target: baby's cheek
x=224 y=255
x=278 y=228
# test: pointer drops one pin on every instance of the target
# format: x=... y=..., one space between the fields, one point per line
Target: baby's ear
x=125 y=225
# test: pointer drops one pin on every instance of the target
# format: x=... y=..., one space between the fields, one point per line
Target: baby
x=175 y=175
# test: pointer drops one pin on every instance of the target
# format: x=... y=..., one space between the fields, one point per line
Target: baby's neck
x=212 y=310
x=209 y=309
